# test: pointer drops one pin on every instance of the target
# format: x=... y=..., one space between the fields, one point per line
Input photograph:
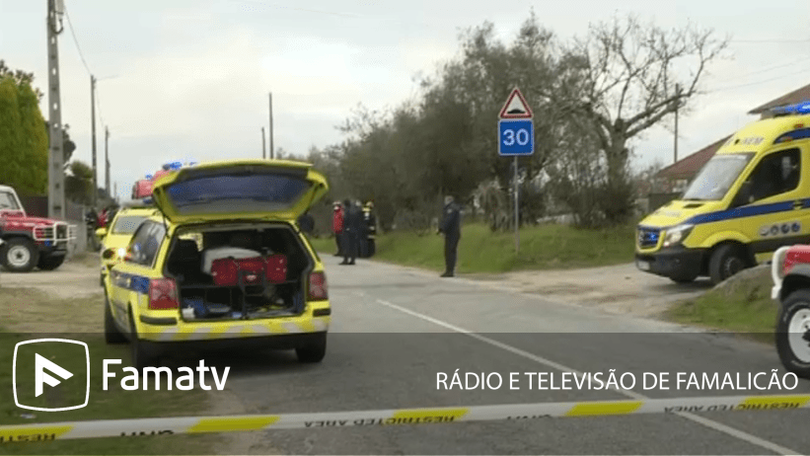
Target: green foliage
x=590 y=98
x=23 y=141
x=481 y=251
x=79 y=183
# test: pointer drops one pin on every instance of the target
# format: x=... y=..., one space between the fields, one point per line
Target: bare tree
x=632 y=75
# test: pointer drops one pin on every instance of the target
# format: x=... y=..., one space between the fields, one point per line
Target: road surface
x=395 y=328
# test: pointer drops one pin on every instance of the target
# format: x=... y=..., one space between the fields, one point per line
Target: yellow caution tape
x=217 y=424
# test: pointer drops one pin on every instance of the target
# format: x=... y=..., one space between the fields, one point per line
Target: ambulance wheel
x=112 y=335
x=726 y=261
x=372 y=248
x=314 y=352
x=793 y=333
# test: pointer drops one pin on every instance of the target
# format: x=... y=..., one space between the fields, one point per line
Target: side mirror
x=101 y=232
x=743 y=196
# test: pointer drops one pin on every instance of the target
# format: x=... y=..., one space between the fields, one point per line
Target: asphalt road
x=395 y=328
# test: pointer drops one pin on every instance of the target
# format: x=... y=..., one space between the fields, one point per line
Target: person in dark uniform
x=351 y=230
x=371 y=232
x=450 y=226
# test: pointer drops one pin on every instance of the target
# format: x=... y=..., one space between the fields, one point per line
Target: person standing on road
x=450 y=226
x=351 y=229
x=337 y=227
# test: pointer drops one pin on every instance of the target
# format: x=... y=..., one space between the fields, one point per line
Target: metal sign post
x=516 y=138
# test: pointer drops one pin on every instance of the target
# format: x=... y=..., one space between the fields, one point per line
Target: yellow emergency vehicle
x=168 y=293
x=751 y=198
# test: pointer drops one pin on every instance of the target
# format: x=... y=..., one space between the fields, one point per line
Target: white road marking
x=754 y=440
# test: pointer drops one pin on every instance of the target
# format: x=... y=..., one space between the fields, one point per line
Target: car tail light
x=163 y=294
x=318 y=289
x=797 y=254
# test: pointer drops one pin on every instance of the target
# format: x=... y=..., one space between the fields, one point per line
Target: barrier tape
x=241 y=423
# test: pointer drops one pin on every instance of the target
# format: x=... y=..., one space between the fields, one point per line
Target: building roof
x=797 y=96
x=687 y=167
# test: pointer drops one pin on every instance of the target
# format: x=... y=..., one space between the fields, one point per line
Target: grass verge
x=742 y=305
x=482 y=251
x=116 y=403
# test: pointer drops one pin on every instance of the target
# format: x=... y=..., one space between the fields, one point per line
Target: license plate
x=643 y=265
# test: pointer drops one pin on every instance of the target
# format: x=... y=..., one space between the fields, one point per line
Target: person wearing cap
x=450 y=226
x=337 y=227
x=352 y=226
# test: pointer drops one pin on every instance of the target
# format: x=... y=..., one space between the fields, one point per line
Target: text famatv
x=184 y=382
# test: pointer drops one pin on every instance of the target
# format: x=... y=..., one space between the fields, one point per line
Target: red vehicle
x=30 y=242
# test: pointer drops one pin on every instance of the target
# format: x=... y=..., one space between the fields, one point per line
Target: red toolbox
x=226 y=271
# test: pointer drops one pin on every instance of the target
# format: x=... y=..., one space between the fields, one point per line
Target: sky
x=181 y=79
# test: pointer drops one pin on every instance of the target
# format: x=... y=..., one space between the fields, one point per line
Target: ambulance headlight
x=122 y=252
x=677 y=234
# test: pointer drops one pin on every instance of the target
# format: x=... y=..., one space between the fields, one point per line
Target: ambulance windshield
x=715 y=179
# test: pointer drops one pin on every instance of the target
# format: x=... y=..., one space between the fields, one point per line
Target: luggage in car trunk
x=227 y=271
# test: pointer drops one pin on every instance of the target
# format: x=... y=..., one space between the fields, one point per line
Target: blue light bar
x=149 y=176
x=798 y=108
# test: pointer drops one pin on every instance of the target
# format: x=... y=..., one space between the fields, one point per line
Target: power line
x=75 y=40
x=765 y=70
x=770 y=41
x=722 y=89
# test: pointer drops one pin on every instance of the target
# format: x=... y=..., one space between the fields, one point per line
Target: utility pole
x=517 y=210
x=56 y=172
x=93 y=133
x=272 y=151
x=677 y=105
x=107 y=161
x=264 y=145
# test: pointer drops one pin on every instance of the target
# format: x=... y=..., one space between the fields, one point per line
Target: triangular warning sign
x=516 y=107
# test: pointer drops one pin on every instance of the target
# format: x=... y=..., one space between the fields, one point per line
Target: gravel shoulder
x=620 y=289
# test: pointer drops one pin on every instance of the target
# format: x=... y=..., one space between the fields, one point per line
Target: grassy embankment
x=481 y=251
x=115 y=403
x=742 y=304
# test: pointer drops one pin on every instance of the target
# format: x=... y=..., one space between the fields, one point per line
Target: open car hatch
x=239 y=189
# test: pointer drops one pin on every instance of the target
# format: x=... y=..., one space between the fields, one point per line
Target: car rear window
x=127 y=224
x=237 y=192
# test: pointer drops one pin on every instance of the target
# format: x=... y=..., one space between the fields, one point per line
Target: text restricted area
x=420 y=416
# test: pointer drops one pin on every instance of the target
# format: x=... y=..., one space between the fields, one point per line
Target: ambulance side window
x=776 y=174
x=145 y=243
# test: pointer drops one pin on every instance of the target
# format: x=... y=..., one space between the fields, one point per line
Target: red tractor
x=27 y=242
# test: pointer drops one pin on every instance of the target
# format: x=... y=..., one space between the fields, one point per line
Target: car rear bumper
x=267 y=342
x=672 y=263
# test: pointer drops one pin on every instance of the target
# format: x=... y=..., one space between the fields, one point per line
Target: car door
x=772 y=206
x=129 y=279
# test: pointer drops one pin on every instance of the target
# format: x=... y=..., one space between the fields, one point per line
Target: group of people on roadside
x=350 y=228
x=352 y=224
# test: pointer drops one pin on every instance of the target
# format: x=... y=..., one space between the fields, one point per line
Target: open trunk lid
x=239 y=189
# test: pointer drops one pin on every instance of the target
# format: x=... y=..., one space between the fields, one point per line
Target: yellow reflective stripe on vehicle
x=604 y=408
x=231 y=424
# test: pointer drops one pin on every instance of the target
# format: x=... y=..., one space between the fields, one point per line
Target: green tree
x=23 y=140
x=630 y=77
x=79 y=183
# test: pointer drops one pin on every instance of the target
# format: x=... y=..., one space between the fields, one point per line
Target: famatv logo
x=59 y=364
